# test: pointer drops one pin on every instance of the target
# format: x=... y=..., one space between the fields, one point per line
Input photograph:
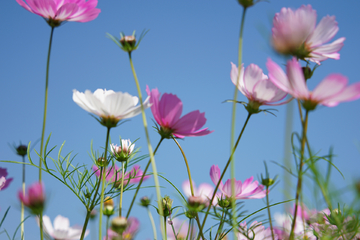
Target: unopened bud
x=307 y=72
x=267 y=182
x=21 y=150
x=145 y=201
x=108 y=206
x=119 y=224
x=246 y=3
x=166 y=205
x=224 y=202
x=101 y=162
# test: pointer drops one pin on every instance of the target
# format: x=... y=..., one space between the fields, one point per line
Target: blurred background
x=187 y=52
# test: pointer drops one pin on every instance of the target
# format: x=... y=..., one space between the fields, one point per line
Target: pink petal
x=215 y=175
x=329 y=87
x=328 y=51
x=296 y=79
x=267 y=92
x=154 y=100
x=350 y=93
x=170 y=109
x=324 y=32
x=252 y=75
x=65 y=11
x=186 y=188
x=234 y=78
x=189 y=124
x=278 y=77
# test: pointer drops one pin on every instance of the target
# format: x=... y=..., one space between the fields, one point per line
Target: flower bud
x=34 y=199
x=190 y=214
x=21 y=150
x=196 y=203
x=166 y=205
x=336 y=217
x=123 y=152
x=267 y=182
x=101 y=162
x=145 y=201
x=224 y=202
x=246 y=3
x=119 y=224
x=128 y=41
x=108 y=206
x=307 y=72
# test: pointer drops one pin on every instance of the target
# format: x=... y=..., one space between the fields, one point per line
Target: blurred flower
x=129 y=233
x=109 y=206
x=330 y=92
x=205 y=191
x=110 y=106
x=301 y=229
x=62 y=229
x=166 y=205
x=181 y=230
x=122 y=152
x=66 y=10
x=294 y=33
x=167 y=112
x=21 y=150
x=256 y=86
x=4 y=181
x=246 y=190
x=34 y=199
x=256 y=231
x=114 y=174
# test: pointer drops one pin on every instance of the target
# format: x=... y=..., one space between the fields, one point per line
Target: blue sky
x=187 y=52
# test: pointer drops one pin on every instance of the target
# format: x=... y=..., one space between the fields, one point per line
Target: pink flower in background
x=256 y=86
x=167 y=112
x=246 y=190
x=129 y=233
x=34 y=199
x=204 y=191
x=64 y=10
x=296 y=33
x=62 y=229
x=330 y=92
x=181 y=230
x=256 y=231
x=114 y=174
x=4 y=181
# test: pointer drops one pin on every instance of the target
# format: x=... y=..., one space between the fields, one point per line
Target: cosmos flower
x=56 y=11
x=62 y=229
x=129 y=233
x=110 y=106
x=330 y=92
x=34 y=199
x=167 y=112
x=114 y=174
x=123 y=151
x=246 y=190
x=204 y=191
x=296 y=33
x=4 y=181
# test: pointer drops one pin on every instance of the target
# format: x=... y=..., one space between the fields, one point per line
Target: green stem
x=220 y=225
x=22 y=204
x=122 y=187
x=233 y=121
x=268 y=209
x=299 y=184
x=41 y=225
x=141 y=180
x=165 y=227
x=152 y=222
x=107 y=226
x=103 y=182
x=153 y=164
x=223 y=172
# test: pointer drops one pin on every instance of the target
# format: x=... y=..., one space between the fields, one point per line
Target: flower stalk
x=122 y=187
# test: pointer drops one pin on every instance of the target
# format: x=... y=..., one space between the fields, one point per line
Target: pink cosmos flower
x=246 y=190
x=63 y=10
x=167 y=112
x=62 y=229
x=129 y=233
x=256 y=231
x=114 y=175
x=256 y=86
x=296 y=33
x=205 y=191
x=181 y=230
x=34 y=199
x=330 y=92
x=4 y=181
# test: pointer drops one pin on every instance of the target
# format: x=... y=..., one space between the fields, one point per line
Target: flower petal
x=324 y=32
x=215 y=175
x=329 y=87
x=350 y=93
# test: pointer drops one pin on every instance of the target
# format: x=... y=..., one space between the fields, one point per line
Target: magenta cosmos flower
x=129 y=233
x=256 y=86
x=4 y=181
x=57 y=11
x=330 y=92
x=62 y=229
x=246 y=190
x=296 y=33
x=167 y=112
x=34 y=199
x=114 y=175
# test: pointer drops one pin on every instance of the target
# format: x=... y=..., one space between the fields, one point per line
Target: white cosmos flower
x=110 y=106
x=62 y=229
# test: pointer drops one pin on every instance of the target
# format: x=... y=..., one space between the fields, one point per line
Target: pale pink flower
x=62 y=229
x=256 y=86
x=256 y=231
x=64 y=10
x=181 y=230
x=167 y=112
x=34 y=199
x=4 y=181
x=246 y=190
x=296 y=33
x=126 y=146
x=330 y=92
x=204 y=191
x=129 y=232
x=114 y=174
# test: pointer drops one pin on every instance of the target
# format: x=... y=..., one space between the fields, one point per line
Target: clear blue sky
x=187 y=52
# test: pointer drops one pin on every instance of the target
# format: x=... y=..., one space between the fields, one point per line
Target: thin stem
x=107 y=226
x=233 y=121
x=141 y=180
x=268 y=209
x=153 y=164
x=165 y=228
x=299 y=184
x=41 y=225
x=220 y=225
x=22 y=204
x=103 y=182
x=122 y=187
x=223 y=172
x=152 y=222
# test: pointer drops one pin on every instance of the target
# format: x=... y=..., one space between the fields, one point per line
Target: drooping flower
x=114 y=174
x=62 y=229
x=123 y=151
x=4 y=181
x=167 y=112
x=330 y=92
x=110 y=106
x=66 y=10
x=256 y=86
x=181 y=230
x=296 y=33
x=246 y=190
x=129 y=233
x=34 y=199
x=205 y=191
x=256 y=231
